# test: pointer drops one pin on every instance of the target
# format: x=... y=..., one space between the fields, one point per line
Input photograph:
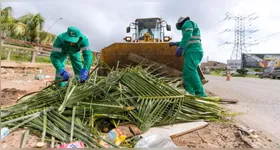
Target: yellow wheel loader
x=148 y=45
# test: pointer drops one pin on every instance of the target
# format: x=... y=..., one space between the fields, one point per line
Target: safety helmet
x=181 y=21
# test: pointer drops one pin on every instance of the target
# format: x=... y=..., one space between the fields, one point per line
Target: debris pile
x=86 y=112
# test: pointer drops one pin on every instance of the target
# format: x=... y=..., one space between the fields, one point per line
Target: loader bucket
x=156 y=52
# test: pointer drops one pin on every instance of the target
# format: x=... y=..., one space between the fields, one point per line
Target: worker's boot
x=204 y=81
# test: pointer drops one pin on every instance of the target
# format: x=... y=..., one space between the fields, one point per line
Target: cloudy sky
x=105 y=21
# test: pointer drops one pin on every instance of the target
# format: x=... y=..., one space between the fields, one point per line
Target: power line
x=54 y=23
x=240 y=33
x=267 y=36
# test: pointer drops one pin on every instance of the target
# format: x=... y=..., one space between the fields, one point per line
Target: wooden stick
x=229 y=100
x=188 y=131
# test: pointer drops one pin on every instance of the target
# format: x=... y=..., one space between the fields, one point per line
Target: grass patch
x=252 y=76
x=214 y=73
x=24 y=57
x=43 y=59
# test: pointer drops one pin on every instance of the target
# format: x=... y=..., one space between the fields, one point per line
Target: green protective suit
x=62 y=49
x=193 y=54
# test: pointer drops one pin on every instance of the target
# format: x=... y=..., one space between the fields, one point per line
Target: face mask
x=178 y=26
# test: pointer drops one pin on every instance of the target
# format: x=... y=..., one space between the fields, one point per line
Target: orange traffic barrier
x=228 y=76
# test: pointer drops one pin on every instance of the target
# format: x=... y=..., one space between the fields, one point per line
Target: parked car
x=250 y=72
x=275 y=73
x=267 y=73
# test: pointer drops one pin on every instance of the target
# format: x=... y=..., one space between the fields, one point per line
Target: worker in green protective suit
x=190 y=47
x=71 y=43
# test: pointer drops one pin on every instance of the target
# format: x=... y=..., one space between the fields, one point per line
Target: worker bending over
x=71 y=43
x=191 y=49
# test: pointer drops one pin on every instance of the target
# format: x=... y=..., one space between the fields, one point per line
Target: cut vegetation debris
x=83 y=112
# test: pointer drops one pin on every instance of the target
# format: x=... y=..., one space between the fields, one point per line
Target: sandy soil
x=11 y=95
x=15 y=83
x=221 y=135
x=14 y=140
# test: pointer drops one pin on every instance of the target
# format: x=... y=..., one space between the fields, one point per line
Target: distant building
x=213 y=65
x=209 y=66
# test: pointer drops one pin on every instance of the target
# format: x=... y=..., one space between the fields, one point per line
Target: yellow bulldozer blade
x=118 y=54
x=158 y=52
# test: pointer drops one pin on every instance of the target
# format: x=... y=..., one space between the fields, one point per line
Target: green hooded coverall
x=62 y=49
x=193 y=53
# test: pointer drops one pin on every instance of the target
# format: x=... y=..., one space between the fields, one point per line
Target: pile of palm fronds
x=131 y=95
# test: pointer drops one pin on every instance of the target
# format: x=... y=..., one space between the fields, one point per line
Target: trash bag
x=155 y=141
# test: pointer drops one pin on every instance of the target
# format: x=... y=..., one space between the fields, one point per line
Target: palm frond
x=132 y=95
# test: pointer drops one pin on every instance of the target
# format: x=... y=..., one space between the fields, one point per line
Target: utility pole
x=240 y=33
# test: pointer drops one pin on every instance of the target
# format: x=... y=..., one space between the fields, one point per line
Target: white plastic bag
x=155 y=141
x=4 y=132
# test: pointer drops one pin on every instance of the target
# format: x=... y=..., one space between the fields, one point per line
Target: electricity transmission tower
x=240 y=34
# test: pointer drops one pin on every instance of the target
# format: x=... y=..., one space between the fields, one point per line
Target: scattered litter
x=116 y=136
x=77 y=144
x=4 y=132
x=156 y=141
x=40 y=145
x=176 y=129
x=104 y=144
x=39 y=77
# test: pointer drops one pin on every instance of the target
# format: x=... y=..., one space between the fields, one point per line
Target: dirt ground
x=14 y=140
x=11 y=95
x=215 y=135
x=15 y=83
x=222 y=135
x=24 y=80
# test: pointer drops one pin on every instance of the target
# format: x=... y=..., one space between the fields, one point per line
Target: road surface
x=258 y=98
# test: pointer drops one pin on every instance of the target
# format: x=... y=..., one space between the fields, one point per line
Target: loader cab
x=148 y=30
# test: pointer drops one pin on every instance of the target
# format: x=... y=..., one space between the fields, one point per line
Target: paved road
x=259 y=99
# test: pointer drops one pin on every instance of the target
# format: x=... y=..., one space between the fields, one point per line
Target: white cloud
x=105 y=21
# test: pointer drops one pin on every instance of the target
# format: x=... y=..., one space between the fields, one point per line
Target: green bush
x=43 y=59
x=242 y=72
x=238 y=75
x=25 y=57
x=258 y=69
x=4 y=55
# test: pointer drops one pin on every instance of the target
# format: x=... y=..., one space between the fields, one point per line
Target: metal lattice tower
x=240 y=34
